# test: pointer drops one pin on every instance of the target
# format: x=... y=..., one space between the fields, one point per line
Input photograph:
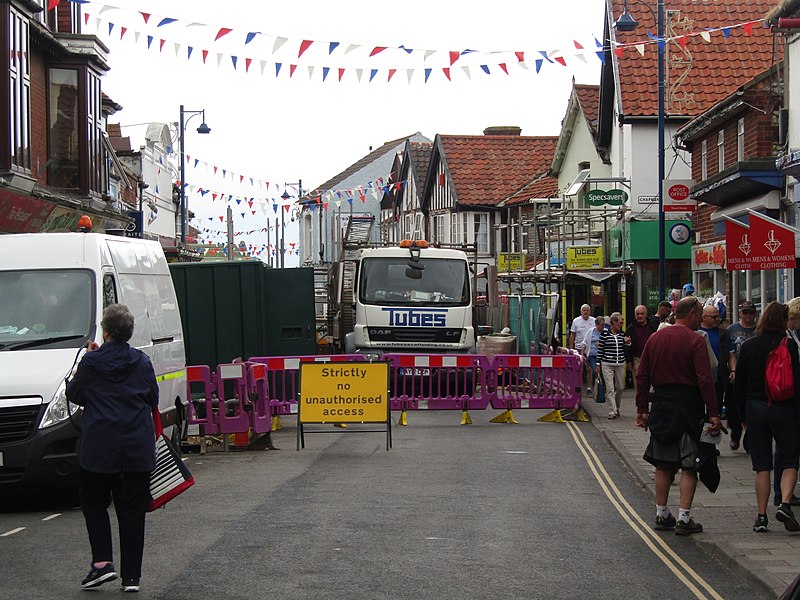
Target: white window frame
x=480 y=232
x=704 y=160
x=720 y=150
x=455 y=228
x=439 y=229
x=740 y=140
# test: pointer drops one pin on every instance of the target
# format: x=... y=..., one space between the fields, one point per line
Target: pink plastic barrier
x=202 y=375
x=258 y=392
x=234 y=407
x=283 y=377
x=543 y=381
x=438 y=381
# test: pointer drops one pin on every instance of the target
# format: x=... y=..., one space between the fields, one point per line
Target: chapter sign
x=344 y=393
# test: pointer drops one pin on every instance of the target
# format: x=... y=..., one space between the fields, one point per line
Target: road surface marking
x=666 y=554
x=12 y=532
x=51 y=517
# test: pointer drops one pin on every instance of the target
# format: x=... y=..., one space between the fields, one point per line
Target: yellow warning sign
x=344 y=393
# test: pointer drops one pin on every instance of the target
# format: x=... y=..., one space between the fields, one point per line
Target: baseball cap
x=747 y=305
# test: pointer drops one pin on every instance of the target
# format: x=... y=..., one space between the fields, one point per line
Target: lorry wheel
x=177 y=430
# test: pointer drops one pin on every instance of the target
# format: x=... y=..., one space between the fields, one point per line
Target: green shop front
x=635 y=243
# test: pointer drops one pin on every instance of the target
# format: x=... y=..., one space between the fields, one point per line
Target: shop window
x=705 y=284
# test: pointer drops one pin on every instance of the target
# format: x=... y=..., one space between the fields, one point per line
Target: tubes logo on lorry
x=412 y=317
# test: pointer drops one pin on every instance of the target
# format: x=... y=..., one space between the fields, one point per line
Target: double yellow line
x=652 y=540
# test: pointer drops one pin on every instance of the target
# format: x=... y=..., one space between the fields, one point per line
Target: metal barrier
x=536 y=381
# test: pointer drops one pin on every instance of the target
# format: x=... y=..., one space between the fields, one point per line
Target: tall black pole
x=662 y=263
x=183 y=181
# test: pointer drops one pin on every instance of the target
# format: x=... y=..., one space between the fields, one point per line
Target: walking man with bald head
x=637 y=335
x=675 y=363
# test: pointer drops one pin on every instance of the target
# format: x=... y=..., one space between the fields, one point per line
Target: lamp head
x=203 y=128
x=285 y=196
x=626 y=22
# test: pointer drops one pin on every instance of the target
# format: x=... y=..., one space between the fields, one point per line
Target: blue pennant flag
x=250 y=37
x=331 y=47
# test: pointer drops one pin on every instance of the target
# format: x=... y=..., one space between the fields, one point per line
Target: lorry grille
x=450 y=335
x=17 y=422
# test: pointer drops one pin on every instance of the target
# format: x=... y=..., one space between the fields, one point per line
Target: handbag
x=171 y=476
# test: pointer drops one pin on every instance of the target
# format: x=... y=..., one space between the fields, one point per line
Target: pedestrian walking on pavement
x=639 y=332
x=581 y=324
x=718 y=339
x=117 y=387
x=675 y=363
x=739 y=333
x=767 y=421
x=611 y=362
x=663 y=312
x=793 y=331
x=591 y=344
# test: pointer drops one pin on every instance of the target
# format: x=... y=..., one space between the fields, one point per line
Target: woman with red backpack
x=768 y=414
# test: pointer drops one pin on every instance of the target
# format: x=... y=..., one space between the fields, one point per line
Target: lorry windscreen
x=386 y=281
x=46 y=308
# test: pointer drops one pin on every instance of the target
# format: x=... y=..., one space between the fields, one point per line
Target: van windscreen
x=46 y=308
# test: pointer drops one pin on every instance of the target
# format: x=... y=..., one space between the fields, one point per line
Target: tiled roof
x=540 y=188
x=705 y=72
x=488 y=168
x=421 y=158
x=589 y=99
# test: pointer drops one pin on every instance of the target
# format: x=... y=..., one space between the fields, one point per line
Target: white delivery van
x=53 y=289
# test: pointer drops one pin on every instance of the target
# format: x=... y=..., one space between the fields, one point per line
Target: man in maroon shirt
x=675 y=363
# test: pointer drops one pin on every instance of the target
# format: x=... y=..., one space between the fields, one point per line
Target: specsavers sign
x=344 y=393
x=584 y=258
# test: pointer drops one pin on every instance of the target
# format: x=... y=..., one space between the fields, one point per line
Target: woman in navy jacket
x=117 y=388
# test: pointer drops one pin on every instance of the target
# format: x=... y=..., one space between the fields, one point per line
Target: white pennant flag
x=195 y=25
x=429 y=53
x=351 y=47
x=640 y=49
x=219 y=59
x=279 y=41
x=263 y=66
x=105 y=9
x=706 y=35
x=338 y=203
x=136 y=35
x=410 y=74
x=177 y=49
x=580 y=56
x=359 y=73
x=310 y=72
x=375 y=193
x=466 y=72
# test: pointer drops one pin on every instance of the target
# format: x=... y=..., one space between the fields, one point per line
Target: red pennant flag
x=247 y=63
x=205 y=56
x=341 y=72
x=391 y=74
x=250 y=202
x=292 y=69
x=560 y=60
x=122 y=32
x=618 y=51
x=325 y=205
x=773 y=244
x=161 y=45
x=252 y=211
x=222 y=31
x=215 y=169
x=682 y=41
x=748 y=28
x=221 y=218
x=446 y=72
x=213 y=197
x=377 y=50
x=454 y=56
x=286 y=207
x=503 y=66
x=520 y=56
x=241 y=178
x=85 y=18
x=398 y=186
x=304 y=45
x=145 y=16
x=51 y=4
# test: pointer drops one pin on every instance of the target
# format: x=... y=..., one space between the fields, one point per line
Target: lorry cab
x=53 y=290
x=412 y=298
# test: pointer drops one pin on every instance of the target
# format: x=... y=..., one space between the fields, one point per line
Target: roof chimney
x=510 y=130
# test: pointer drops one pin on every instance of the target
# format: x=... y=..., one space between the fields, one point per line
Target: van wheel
x=177 y=430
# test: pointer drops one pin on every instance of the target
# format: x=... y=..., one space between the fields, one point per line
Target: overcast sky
x=283 y=129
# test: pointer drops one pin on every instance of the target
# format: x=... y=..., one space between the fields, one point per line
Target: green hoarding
x=638 y=240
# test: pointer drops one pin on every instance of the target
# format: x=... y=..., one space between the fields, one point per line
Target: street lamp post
x=627 y=23
x=285 y=196
x=182 y=127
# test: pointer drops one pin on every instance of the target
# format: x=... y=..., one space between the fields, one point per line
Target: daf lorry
x=53 y=289
x=411 y=298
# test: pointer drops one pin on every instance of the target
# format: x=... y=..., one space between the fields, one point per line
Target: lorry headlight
x=59 y=409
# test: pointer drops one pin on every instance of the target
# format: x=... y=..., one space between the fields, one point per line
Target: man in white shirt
x=577 y=332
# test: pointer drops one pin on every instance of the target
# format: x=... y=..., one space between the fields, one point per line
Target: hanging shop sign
x=584 y=258
x=603 y=197
x=677 y=195
x=707 y=257
x=765 y=244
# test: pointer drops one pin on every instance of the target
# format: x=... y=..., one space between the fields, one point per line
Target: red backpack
x=778 y=376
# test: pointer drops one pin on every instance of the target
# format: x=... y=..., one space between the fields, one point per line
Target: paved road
x=535 y=510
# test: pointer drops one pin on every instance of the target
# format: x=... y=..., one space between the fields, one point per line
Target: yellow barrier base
x=276 y=423
x=402 y=420
x=505 y=417
x=465 y=418
x=564 y=415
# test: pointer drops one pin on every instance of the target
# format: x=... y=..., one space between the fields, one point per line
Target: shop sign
x=765 y=244
x=22 y=214
x=510 y=261
x=603 y=197
x=677 y=195
x=584 y=258
x=708 y=257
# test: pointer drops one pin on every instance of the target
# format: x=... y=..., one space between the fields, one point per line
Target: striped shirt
x=611 y=350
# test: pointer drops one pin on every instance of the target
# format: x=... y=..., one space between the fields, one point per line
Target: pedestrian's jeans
x=131 y=493
x=601 y=388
